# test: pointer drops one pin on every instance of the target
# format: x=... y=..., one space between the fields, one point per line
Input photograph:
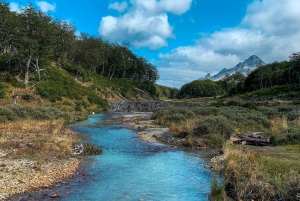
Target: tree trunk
x=102 y=73
x=112 y=74
x=38 y=69
x=26 y=79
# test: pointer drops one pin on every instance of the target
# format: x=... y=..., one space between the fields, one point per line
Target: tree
x=233 y=84
x=200 y=88
x=63 y=41
x=36 y=38
x=9 y=31
x=295 y=63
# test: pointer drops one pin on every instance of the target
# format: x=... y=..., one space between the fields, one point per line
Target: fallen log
x=253 y=139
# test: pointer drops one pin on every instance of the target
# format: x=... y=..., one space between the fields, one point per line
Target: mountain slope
x=245 y=68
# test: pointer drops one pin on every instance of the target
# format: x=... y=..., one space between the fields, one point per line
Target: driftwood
x=77 y=149
x=254 y=139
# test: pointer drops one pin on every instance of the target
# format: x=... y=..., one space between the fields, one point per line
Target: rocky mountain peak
x=245 y=68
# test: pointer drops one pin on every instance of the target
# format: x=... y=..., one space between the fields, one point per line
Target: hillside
x=43 y=62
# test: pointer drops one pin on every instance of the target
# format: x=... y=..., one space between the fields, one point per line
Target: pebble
x=29 y=178
x=54 y=195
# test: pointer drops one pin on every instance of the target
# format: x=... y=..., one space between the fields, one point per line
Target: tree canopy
x=31 y=39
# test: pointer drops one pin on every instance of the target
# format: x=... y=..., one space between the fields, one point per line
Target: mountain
x=245 y=68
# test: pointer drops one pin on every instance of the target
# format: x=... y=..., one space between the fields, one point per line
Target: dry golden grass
x=262 y=173
x=279 y=124
x=189 y=125
x=186 y=126
x=176 y=129
x=36 y=139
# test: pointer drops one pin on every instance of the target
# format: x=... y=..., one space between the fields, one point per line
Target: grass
x=38 y=140
x=217 y=190
x=13 y=113
x=262 y=173
x=250 y=173
x=213 y=124
x=3 y=89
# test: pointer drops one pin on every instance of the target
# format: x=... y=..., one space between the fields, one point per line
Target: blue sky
x=186 y=39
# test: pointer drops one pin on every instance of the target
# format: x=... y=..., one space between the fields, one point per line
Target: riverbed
x=131 y=169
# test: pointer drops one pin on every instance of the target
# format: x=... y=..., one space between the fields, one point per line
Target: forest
x=283 y=77
x=31 y=40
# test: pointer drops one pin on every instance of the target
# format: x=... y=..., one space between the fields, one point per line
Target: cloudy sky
x=186 y=39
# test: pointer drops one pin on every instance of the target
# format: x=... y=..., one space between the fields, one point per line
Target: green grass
x=279 y=159
x=262 y=173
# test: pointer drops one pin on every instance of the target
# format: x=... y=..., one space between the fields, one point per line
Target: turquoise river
x=131 y=169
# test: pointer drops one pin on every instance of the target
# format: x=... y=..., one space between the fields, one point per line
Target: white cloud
x=45 y=6
x=177 y=7
x=145 y=24
x=121 y=7
x=270 y=30
x=14 y=7
x=274 y=17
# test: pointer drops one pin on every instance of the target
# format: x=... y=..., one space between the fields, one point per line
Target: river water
x=133 y=170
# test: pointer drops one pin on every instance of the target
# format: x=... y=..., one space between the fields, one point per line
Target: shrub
x=214 y=125
x=89 y=149
x=245 y=116
x=205 y=111
x=27 y=97
x=173 y=114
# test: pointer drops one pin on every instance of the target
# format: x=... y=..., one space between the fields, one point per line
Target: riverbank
x=34 y=155
x=248 y=171
x=148 y=131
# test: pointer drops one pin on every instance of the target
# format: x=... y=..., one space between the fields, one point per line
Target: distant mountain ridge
x=245 y=68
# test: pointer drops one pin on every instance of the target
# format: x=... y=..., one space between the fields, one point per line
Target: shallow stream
x=131 y=169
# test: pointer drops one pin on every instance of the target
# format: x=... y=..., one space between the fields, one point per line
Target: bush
x=290 y=111
x=245 y=116
x=89 y=149
x=205 y=111
x=214 y=125
x=27 y=97
x=173 y=114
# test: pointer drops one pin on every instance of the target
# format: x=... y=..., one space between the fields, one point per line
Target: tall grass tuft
x=217 y=190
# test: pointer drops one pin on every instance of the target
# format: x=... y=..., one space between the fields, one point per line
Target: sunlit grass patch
x=36 y=139
x=262 y=173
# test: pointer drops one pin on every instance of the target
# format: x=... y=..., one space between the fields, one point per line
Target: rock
x=54 y=195
x=145 y=106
